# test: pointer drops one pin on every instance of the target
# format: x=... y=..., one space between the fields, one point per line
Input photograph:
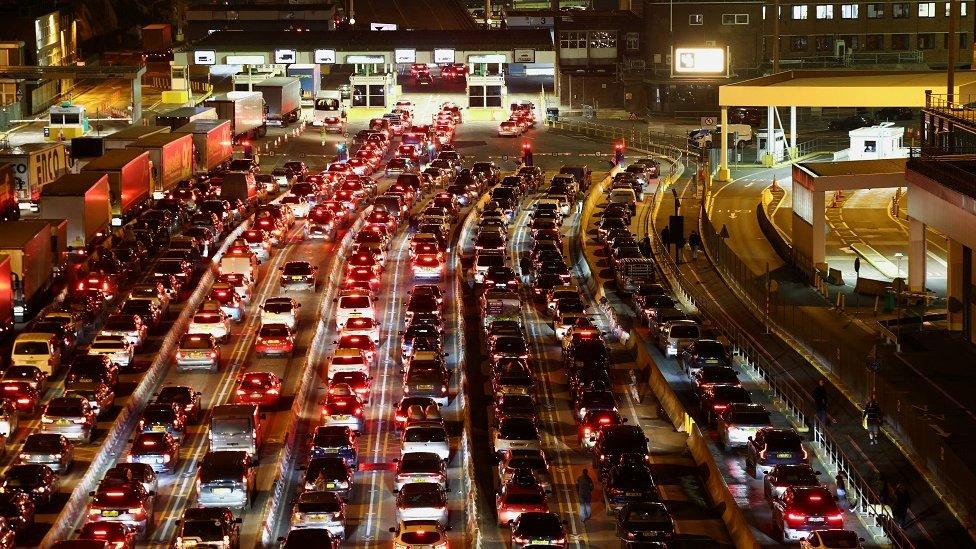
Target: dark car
x=850 y=122
x=702 y=353
x=534 y=528
x=334 y=441
x=35 y=480
x=184 y=397
x=92 y=369
x=715 y=399
x=329 y=474
x=613 y=442
x=206 y=525
x=644 y=521
x=18 y=509
x=629 y=481
x=771 y=447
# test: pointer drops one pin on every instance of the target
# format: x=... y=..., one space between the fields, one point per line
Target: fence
x=9 y=113
x=665 y=144
x=164 y=82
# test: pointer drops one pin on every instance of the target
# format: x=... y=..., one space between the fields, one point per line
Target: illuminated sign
x=245 y=60
x=405 y=56
x=365 y=59
x=382 y=26
x=325 y=56
x=285 y=56
x=205 y=57
x=491 y=58
x=443 y=56
x=523 y=56
x=696 y=61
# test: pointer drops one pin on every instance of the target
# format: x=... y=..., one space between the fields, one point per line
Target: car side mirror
x=281 y=540
x=92 y=494
x=239 y=520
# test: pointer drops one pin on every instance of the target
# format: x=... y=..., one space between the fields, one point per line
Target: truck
x=239 y=185
x=157 y=42
x=184 y=115
x=240 y=262
x=28 y=244
x=82 y=199
x=245 y=110
x=171 y=158
x=211 y=143
x=500 y=305
x=8 y=193
x=282 y=99
x=122 y=138
x=128 y=179
x=310 y=77
x=35 y=165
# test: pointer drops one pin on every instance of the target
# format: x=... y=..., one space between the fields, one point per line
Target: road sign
x=707 y=121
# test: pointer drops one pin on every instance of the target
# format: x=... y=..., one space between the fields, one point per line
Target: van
x=240 y=262
x=583 y=175
x=37 y=349
x=236 y=427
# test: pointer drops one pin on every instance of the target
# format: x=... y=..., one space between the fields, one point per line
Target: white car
x=565 y=322
x=425 y=436
x=509 y=128
x=832 y=539
x=405 y=105
x=422 y=501
x=298 y=204
x=315 y=509
x=346 y=360
x=116 y=347
x=280 y=310
x=740 y=422
x=406 y=533
x=677 y=335
x=361 y=326
x=351 y=306
x=515 y=433
x=215 y=323
x=420 y=467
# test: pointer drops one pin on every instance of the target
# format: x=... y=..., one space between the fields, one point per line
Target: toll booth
x=66 y=121
x=486 y=88
x=371 y=88
x=770 y=153
x=877 y=142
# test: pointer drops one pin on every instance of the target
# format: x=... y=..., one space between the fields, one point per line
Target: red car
x=274 y=339
x=261 y=388
x=363 y=343
x=360 y=275
x=115 y=534
x=332 y=124
x=516 y=499
x=358 y=382
x=22 y=394
x=382 y=217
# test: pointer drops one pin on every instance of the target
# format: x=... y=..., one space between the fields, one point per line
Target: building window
x=485 y=96
x=735 y=18
x=696 y=19
x=603 y=40
x=926 y=41
x=825 y=11
x=926 y=9
x=848 y=11
x=962 y=9
x=799 y=12
x=899 y=42
x=899 y=10
x=377 y=95
x=798 y=43
x=633 y=41
x=824 y=43
x=874 y=42
x=875 y=11
x=851 y=41
x=572 y=40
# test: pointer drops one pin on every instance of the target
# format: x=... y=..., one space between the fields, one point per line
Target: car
x=125 y=502
x=591 y=423
x=352 y=306
x=422 y=501
x=419 y=534
x=261 y=388
x=615 y=441
x=198 y=350
x=803 y=509
x=320 y=509
x=515 y=433
x=242 y=284
x=298 y=204
x=514 y=405
x=677 y=335
x=629 y=481
x=715 y=399
x=329 y=474
x=159 y=450
x=114 y=534
x=533 y=528
x=512 y=376
x=298 y=275
x=208 y=526
x=116 y=348
x=739 y=422
x=50 y=449
x=72 y=417
x=334 y=440
x=17 y=509
x=771 y=447
x=509 y=128
x=346 y=360
x=225 y=478
x=136 y=472
x=522 y=494
x=400 y=411
x=710 y=376
x=280 y=310
x=163 y=417
x=852 y=122
x=214 y=322
x=100 y=396
x=701 y=353
x=646 y=521
x=127 y=325
x=420 y=467
x=228 y=301
x=89 y=369
x=344 y=408
x=303 y=538
x=425 y=436
x=834 y=538
x=186 y=398
x=358 y=383
x=274 y=339
x=783 y=476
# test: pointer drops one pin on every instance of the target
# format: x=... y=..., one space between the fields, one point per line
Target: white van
x=624 y=196
x=36 y=349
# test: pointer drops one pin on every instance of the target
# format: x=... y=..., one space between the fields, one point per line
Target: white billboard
x=325 y=56
x=285 y=57
x=443 y=55
x=700 y=61
x=405 y=56
x=205 y=57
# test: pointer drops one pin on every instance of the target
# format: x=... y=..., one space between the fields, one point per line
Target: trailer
x=87 y=147
x=126 y=136
x=28 y=244
x=245 y=110
x=310 y=78
x=157 y=41
x=35 y=165
x=59 y=240
x=171 y=156
x=239 y=185
x=6 y=296
x=184 y=115
x=82 y=199
x=211 y=143
x=8 y=193
x=128 y=180
x=282 y=99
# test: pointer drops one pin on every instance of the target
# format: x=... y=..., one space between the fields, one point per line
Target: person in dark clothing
x=872 y=419
x=903 y=500
x=584 y=489
x=666 y=236
x=820 y=401
x=695 y=241
x=645 y=246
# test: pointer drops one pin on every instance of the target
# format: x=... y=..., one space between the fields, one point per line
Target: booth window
x=377 y=95
x=359 y=95
x=870 y=146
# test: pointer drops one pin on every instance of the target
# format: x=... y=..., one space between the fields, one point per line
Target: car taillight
x=719 y=407
x=838 y=517
x=272 y=391
x=443 y=389
x=794 y=517
x=241 y=392
x=137 y=511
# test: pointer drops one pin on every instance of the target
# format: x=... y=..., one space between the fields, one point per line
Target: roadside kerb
x=289 y=450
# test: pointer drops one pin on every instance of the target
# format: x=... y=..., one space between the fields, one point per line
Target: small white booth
x=770 y=153
x=877 y=142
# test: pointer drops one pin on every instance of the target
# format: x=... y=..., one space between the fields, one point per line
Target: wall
x=746 y=41
x=602 y=91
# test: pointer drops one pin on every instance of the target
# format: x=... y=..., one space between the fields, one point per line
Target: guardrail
x=117 y=436
x=660 y=143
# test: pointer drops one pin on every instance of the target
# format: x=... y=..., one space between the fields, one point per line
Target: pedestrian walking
x=903 y=500
x=666 y=236
x=584 y=488
x=872 y=419
x=841 y=482
x=695 y=241
x=820 y=402
x=645 y=246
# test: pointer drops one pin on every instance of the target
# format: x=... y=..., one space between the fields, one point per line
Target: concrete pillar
x=916 y=255
x=723 y=158
x=954 y=284
x=819 y=241
x=793 y=127
x=770 y=132
x=136 y=99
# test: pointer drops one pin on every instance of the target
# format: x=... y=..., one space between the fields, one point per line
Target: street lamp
x=898 y=256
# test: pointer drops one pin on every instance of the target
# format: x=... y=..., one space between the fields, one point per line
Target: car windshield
x=43 y=443
x=195 y=342
x=207 y=530
x=839 y=538
x=750 y=418
x=354 y=302
x=798 y=476
x=420 y=463
x=206 y=318
x=424 y=497
x=519 y=429
x=684 y=332
x=169 y=267
x=31 y=348
x=297 y=269
x=425 y=434
x=274 y=330
x=174 y=394
x=648 y=514
x=710 y=349
x=72 y=408
x=783 y=442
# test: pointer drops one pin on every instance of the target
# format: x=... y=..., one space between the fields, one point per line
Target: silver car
x=72 y=417
x=422 y=501
x=51 y=449
x=320 y=509
x=225 y=479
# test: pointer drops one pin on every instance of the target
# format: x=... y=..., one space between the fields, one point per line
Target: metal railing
x=666 y=144
x=949 y=170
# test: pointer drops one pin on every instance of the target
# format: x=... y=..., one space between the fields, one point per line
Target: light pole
x=898 y=256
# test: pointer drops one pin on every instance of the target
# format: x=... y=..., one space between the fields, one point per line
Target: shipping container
x=184 y=115
x=239 y=185
x=87 y=147
x=124 y=137
x=245 y=110
x=310 y=77
x=212 y=142
x=8 y=193
x=28 y=243
x=171 y=155
x=282 y=99
x=83 y=199
x=128 y=178
x=6 y=295
x=157 y=37
x=35 y=165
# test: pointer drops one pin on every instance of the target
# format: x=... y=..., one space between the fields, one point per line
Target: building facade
x=36 y=34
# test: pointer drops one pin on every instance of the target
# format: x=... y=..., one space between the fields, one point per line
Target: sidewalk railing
x=665 y=144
